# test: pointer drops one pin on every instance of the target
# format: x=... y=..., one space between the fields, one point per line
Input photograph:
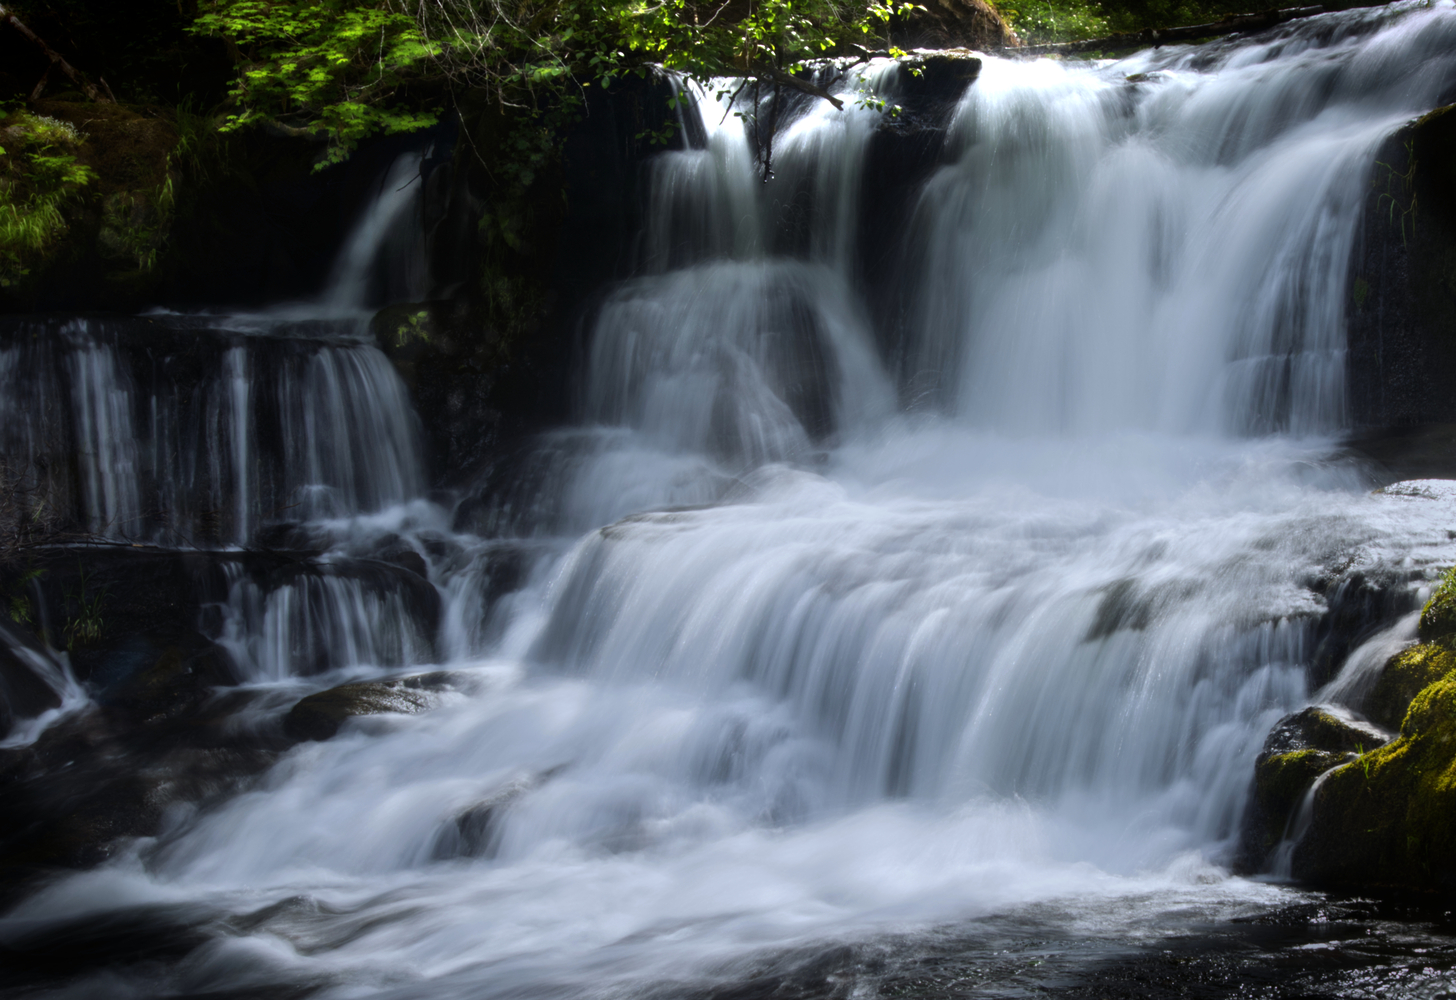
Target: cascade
x=823 y=624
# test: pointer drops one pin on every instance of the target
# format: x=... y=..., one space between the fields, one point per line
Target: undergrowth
x=1040 y=21
x=39 y=176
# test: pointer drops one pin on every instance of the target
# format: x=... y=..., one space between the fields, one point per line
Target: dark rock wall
x=1401 y=365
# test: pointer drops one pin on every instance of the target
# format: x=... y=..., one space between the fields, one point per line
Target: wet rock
x=164 y=736
x=179 y=684
x=24 y=694
x=1323 y=728
x=1358 y=605
x=1298 y=750
x=474 y=832
x=319 y=716
x=1402 y=295
x=941 y=74
x=451 y=368
x=1407 y=674
x=1388 y=816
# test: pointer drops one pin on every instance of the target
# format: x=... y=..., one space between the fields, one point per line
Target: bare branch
x=56 y=60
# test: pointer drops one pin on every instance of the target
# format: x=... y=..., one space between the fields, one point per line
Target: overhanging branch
x=56 y=60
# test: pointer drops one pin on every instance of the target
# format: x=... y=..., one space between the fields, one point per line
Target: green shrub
x=39 y=176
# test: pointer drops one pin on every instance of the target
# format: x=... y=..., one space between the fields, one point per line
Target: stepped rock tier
x=993 y=548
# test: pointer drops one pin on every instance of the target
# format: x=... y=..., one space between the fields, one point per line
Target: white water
x=888 y=670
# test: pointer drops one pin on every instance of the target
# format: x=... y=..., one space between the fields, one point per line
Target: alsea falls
x=929 y=543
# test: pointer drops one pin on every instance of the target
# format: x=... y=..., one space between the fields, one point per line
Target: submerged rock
x=319 y=716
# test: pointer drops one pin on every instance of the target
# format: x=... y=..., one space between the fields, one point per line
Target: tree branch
x=772 y=74
x=56 y=60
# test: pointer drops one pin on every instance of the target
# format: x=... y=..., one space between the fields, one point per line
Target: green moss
x=40 y=178
x=1281 y=780
x=1438 y=618
x=1390 y=817
x=1405 y=676
x=1056 y=20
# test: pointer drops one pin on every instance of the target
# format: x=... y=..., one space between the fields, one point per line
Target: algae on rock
x=1389 y=816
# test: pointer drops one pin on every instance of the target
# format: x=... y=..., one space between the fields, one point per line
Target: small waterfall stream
x=816 y=627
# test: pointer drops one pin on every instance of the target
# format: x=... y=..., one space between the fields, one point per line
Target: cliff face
x=1402 y=291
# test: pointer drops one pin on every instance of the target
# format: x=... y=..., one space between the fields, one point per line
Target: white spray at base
x=798 y=667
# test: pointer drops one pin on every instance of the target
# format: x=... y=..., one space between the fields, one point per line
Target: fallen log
x=57 y=60
x=1151 y=37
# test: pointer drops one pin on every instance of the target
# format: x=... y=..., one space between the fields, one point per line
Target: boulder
x=319 y=716
x=1407 y=674
x=1388 y=815
x=1300 y=748
x=162 y=737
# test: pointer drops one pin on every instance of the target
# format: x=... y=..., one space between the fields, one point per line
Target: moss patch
x=41 y=179
x=1390 y=816
x=86 y=195
x=1281 y=780
x=1438 y=618
x=1405 y=676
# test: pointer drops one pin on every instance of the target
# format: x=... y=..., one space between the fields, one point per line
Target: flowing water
x=828 y=654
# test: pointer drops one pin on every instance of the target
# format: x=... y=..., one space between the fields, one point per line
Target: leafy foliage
x=39 y=176
x=1057 y=20
x=335 y=64
x=1039 y=21
x=351 y=68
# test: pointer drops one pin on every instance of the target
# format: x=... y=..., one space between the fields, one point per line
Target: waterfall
x=825 y=623
x=388 y=236
x=206 y=445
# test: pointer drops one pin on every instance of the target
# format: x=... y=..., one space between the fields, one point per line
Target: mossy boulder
x=1438 y=617
x=1407 y=674
x=1389 y=816
x=320 y=716
x=1298 y=750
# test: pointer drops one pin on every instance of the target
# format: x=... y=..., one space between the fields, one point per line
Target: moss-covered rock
x=319 y=716
x=1297 y=751
x=1407 y=674
x=1438 y=617
x=1281 y=780
x=1389 y=816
